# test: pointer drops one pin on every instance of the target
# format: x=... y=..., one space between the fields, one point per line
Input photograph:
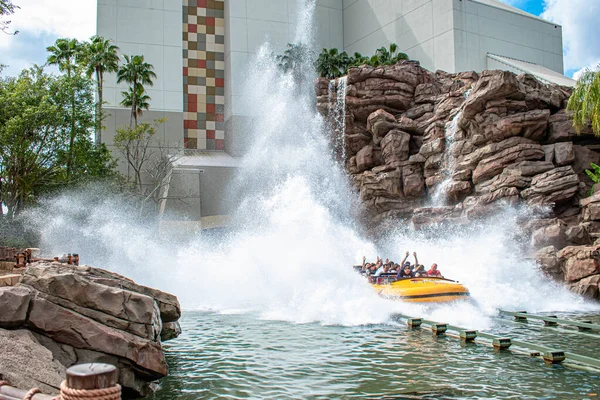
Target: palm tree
x=358 y=60
x=136 y=72
x=100 y=57
x=329 y=64
x=141 y=98
x=383 y=56
x=584 y=102
x=64 y=54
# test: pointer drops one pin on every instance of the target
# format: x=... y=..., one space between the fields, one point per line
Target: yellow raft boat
x=421 y=290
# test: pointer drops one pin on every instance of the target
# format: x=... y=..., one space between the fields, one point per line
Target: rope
x=111 y=393
x=32 y=393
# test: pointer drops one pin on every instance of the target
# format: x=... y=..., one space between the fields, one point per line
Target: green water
x=242 y=356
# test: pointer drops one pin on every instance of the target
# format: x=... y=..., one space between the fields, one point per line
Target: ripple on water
x=241 y=356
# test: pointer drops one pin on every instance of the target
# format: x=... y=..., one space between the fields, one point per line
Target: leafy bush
x=332 y=64
x=594 y=176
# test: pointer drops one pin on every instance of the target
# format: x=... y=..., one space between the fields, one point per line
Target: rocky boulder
x=588 y=287
x=491 y=85
x=478 y=143
x=529 y=124
x=590 y=207
x=387 y=183
x=548 y=262
x=550 y=235
x=26 y=364
x=109 y=317
x=493 y=165
x=380 y=123
x=429 y=216
x=579 y=262
x=395 y=146
x=368 y=157
x=551 y=187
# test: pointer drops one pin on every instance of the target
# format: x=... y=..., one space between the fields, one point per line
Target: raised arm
x=416 y=259
x=404 y=260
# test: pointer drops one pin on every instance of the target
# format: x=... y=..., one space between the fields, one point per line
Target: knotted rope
x=111 y=393
x=29 y=395
x=32 y=393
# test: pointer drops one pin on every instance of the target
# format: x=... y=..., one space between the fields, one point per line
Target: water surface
x=241 y=356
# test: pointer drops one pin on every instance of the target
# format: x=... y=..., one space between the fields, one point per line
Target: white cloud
x=579 y=20
x=40 y=23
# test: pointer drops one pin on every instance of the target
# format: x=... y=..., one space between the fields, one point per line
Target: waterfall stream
x=448 y=163
x=337 y=115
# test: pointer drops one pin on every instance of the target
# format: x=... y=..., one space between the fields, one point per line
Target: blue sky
x=579 y=19
x=535 y=7
x=41 y=22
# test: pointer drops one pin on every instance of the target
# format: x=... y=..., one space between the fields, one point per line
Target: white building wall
x=249 y=23
x=482 y=27
x=152 y=28
x=420 y=28
x=451 y=35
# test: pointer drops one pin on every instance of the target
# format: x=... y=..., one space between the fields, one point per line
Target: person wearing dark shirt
x=405 y=272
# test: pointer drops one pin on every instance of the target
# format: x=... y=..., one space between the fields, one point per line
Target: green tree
x=35 y=129
x=594 y=175
x=384 y=56
x=295 y=60
x=584 y=102
x=134 y=144
x=100 y=57
x=330 y=63
x=64 y=54
x=6 y=8
x=358 y=60
x=136 y=72
x=141 y=98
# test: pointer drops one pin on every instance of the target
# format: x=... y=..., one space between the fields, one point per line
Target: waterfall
x=337 y=115
x=448 y=162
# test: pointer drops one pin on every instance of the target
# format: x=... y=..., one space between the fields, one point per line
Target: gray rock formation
x=479 y=142
x=84 y=314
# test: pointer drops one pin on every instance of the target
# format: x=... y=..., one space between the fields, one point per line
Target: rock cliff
x=437 y=147
x=79 y=314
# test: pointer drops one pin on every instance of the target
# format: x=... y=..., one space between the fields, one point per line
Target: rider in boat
x=420 y=271
x=433 y=271
x=405 y=272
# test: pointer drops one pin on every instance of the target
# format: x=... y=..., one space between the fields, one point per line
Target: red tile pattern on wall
x=204 y=74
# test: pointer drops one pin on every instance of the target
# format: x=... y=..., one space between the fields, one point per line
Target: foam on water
x=294 y=235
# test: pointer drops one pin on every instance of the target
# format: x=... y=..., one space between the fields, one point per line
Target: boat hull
x=422 y=290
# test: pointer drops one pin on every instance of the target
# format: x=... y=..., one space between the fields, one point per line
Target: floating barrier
x=414 y=322
x=549 y=355
x=501 y=343
x=468 y=336
x=552 y=320
x=439 y=329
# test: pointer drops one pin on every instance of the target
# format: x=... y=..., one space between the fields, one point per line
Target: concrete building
x=200 y=50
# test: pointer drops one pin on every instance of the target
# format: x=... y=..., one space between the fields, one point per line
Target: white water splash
x=294 y=238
